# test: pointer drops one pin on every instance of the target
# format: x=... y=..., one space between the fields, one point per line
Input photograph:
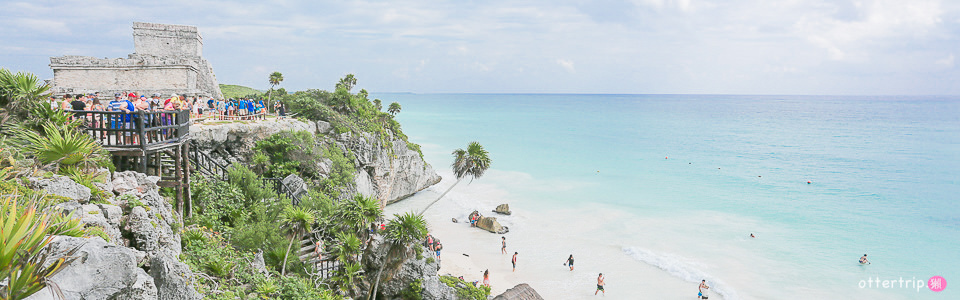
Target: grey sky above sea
x=539 y=46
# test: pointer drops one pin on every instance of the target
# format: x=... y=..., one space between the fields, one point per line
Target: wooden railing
x=140 y=130
x=207 y=165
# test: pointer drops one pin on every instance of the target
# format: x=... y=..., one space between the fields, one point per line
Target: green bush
x=218 y=204
x=296 y=288
x=250 y=185
x=414 y=291
x=466 y=290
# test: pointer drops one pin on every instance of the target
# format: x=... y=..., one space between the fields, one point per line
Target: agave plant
x=60 y=147
x=219 y=267
x=24 y=232
x=66 y=224
x=267 y=288
x=19 y=93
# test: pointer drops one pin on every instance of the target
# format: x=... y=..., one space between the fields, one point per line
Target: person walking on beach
x=514 y=261
x=863 y=260
x=569 y=262
x=600 y=285
x=486 y=278
x=703 y=289
x=503 y=243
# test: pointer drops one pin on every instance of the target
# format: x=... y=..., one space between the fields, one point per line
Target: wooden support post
x=138 y=123
x=186 y=179
x=178 y=175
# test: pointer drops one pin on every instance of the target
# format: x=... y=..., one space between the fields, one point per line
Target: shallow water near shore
x=661 y=191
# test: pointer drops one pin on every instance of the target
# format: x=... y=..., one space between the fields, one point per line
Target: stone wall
x=166 y=40
x=167 y=60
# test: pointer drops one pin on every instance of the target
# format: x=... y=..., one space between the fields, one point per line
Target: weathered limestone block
x=102 y=271
x=519 y=292
x=62 y=186
x=133 y=182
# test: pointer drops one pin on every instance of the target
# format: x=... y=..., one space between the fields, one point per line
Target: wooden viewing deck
x=154 y=143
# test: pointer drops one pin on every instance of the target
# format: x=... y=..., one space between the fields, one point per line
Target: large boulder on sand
x=490 y=224
x=101 y=271
x=503 y=209
x=520 y=292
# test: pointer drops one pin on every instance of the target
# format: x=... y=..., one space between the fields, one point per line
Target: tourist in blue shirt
x=242 y=107
x=123 y=121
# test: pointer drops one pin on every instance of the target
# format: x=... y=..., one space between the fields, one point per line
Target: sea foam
x=682 y=268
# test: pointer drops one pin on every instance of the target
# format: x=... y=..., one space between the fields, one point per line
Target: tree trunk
x=382 y=266
x=441 y=196
x=270 y=97
x=283 y=269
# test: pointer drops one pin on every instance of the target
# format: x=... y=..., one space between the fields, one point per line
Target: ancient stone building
x=167 y=59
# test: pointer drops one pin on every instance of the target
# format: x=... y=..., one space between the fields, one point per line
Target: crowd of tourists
x=157 y=111
x=199 y=107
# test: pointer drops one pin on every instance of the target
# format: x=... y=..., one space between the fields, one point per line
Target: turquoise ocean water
x=678 y=182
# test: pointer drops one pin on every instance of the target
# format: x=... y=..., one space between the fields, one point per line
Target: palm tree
x=275 y=79
x=473 y=162
x=394 y=109
x=402 y=232
x=347 y=82
x=358 y=212
x=298 y=220
x=377 y=104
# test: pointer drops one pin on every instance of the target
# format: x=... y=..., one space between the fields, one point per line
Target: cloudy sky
x=527 y=46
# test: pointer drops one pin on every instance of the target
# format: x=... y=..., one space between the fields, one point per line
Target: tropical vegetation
x=472 y=162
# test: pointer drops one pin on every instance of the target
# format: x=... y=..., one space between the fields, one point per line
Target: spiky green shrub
x=24 y=232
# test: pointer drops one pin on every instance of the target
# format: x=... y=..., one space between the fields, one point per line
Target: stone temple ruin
x=167 y=59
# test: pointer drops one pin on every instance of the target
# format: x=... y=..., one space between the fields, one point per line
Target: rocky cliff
x=387 y=171
x=139 y=258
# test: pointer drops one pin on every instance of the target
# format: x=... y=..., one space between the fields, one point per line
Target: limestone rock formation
x=434 y=289
x=172 y=278
x=147 y=268
x=235 y=140
x=389 y=172
x=393 y=280
x=102 y=271
x=62 y=186
x=394 y=171
x=133 y=182
x=520 y=292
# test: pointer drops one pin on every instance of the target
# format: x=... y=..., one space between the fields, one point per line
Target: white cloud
x=947 y=61
x=681 y=46
x=566 y=64
x=877 y=22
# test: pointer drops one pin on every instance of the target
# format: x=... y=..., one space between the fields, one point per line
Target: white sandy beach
x=543 y=245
